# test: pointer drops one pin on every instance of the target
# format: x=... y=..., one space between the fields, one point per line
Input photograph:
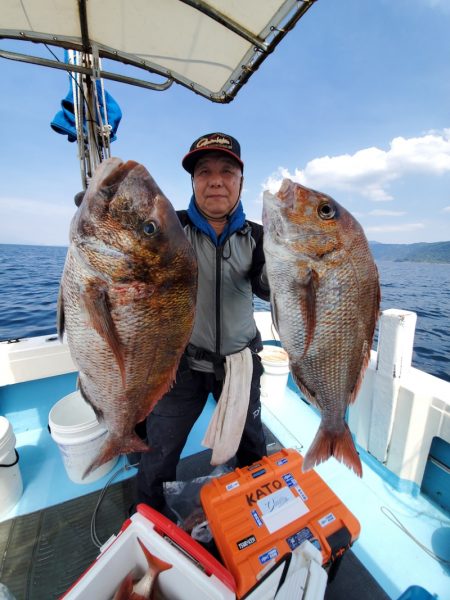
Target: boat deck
x=405 y=539
x=45 y=539
x=44 y=552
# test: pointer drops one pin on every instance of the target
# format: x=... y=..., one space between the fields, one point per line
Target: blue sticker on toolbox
x=257 y=519
x=264 y=558
x=302 y=535
x=289 y=479
x=292 y=482
x=258 y=473
x=232 y=485
x=283 y=461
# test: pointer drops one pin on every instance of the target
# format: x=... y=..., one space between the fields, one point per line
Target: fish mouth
x=275 y=219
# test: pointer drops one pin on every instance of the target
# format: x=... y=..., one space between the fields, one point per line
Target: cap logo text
x=214 y=141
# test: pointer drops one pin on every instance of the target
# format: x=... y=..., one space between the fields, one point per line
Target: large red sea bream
x=325 y=298
x=127 y=299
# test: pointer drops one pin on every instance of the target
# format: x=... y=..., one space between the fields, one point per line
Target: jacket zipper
x=219 y=250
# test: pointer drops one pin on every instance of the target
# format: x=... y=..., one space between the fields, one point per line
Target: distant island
x=437 y=252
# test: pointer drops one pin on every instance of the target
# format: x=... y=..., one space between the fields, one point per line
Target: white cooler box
x=195 y=573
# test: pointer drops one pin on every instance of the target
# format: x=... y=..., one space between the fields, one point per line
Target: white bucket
x=11 y=486
x=75 y=428
x=275 y=361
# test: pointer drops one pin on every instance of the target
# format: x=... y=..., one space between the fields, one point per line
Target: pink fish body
x=325 y=298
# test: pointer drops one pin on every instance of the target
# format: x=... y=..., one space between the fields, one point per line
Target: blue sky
x=354 y=102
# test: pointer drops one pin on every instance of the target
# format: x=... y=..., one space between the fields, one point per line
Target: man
x=231 y=262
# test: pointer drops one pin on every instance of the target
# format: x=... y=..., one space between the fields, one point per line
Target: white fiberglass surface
x=391 y=554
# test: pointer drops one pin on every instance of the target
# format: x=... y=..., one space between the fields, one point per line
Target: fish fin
x=125 y=589
x=308 y=307
x=309 y=395
x=327 y=444
x=85 y=396
x=365 y=358
x=60 y=318
x=274 y=311
x=143 y=588
x=307 y=293
x=367 y=345
x=97 y=305
x=157 y=565
x=114 y=446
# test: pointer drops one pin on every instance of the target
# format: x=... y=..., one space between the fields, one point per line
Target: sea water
x=29 y=282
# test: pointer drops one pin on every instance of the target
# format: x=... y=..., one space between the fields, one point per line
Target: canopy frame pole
x=74 y=58
x=92 y=139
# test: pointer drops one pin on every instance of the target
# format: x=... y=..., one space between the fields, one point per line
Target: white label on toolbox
x=280 y=509
x=232 y=485
x=263 y=558
x=327 y=519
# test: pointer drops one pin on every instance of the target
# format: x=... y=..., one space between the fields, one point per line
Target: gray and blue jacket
x=229 y=273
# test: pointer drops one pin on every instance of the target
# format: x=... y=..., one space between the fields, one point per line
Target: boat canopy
x=210 y=46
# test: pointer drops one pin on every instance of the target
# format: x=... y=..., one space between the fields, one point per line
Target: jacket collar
x=235 y=222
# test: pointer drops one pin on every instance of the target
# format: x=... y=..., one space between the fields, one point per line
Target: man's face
x=217 y=184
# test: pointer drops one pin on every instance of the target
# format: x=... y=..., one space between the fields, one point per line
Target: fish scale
x=127 y=299
x=325 y=299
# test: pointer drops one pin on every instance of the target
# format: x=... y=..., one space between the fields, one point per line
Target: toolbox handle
x=165 y=526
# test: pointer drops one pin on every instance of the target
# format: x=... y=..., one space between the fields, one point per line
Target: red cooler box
x=260 y=513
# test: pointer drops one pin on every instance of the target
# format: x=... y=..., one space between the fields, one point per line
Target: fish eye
x=150 y=228
x=326 y=211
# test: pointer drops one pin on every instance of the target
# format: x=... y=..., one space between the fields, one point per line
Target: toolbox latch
x=339 y=542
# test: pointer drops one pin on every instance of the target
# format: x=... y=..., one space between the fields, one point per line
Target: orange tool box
x=259 y=513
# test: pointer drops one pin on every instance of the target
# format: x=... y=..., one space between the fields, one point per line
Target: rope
x=80 y=101
x=390 y=515
x=94 y=537
x=105 y=127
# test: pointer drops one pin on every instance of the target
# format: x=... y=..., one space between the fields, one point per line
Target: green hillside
x=438 y=252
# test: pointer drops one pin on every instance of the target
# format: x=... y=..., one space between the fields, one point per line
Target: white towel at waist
x=227 y=423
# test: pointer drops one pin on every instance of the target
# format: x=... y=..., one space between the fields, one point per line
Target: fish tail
x=327 y=444
x=114 y=446
x=156 y=565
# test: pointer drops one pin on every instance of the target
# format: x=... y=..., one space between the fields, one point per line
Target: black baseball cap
x=212 y=141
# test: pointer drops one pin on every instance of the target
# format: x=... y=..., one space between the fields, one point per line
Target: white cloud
x=379 y=212
x=370 y=171
x=438 y=4
x=394 y=228
x=446 y=209
x=273 y=182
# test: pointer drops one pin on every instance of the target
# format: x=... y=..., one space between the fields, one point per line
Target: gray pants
x=170 y=422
